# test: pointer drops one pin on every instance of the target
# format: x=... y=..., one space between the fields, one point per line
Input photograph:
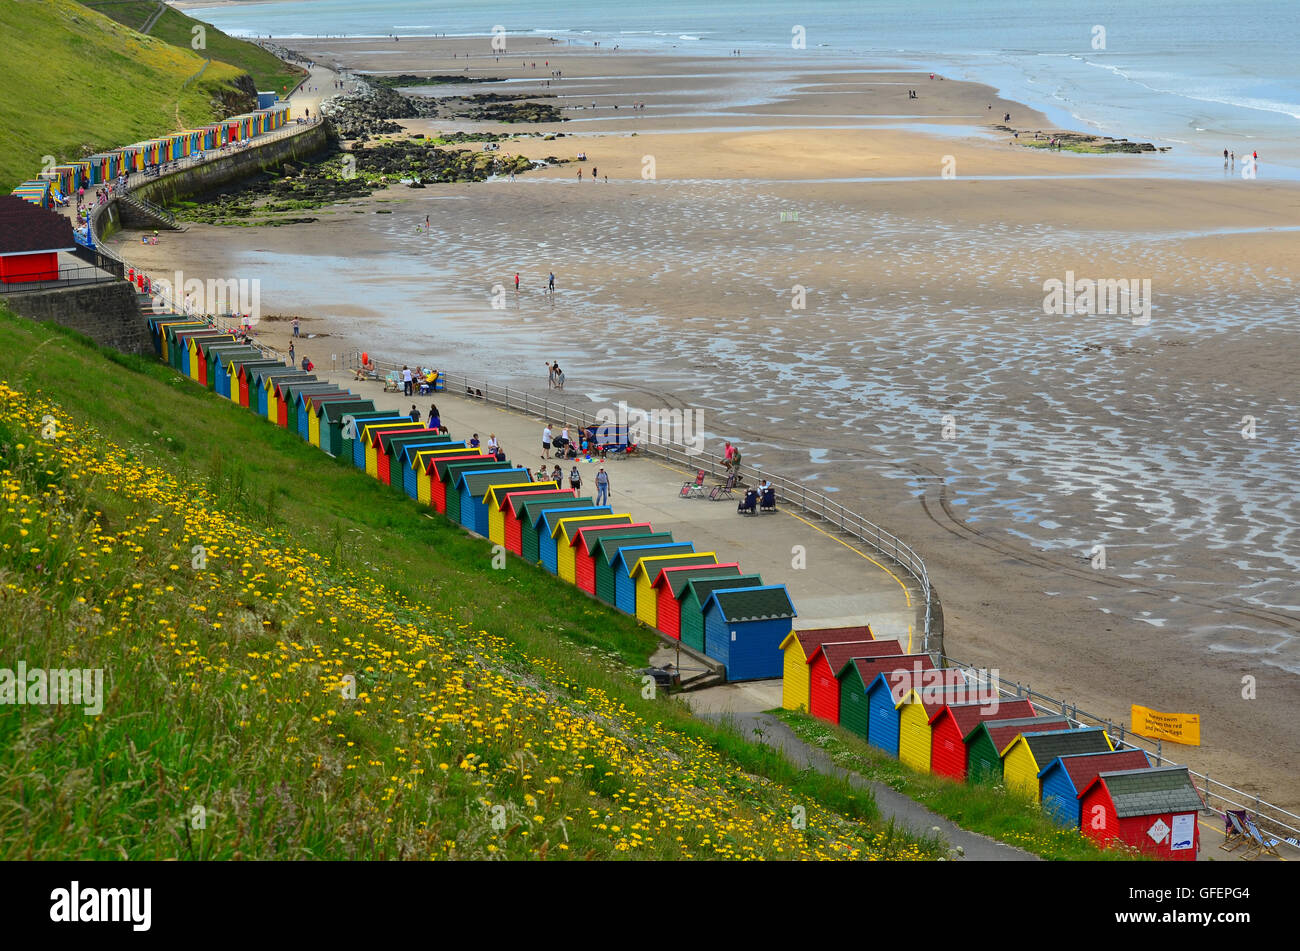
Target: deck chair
x=693 y=490
x=749 y=504
x=767 y=503
x=723 y=491
x=1234 y=830
x=1264 y=845
x=392 y=382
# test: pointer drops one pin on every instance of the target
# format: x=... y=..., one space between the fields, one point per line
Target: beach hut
x=584 y=549
x=985 y=743
x=647 y=572
x=951 y=725
x=917 y=707
x=797 y=647
x=607 y=551
x=473 y=487
x=442 y=479
x=327 y=430
x=413 y=460
x=309 y=410
x=291 y=414
x=207 y=353
x=530 y=514
x=346 y=439
x=187 y=345
x=695 y=596
x=858 y=672
x=548 y=532
x=744 y=628
x=453 y=470
x=1062 y=780
x=566 y=536
x=668 y=586
x=511 y=525
x=888 y=678
x=497 y=498
x=238 y=374
x=36 y=192
x=1153 y=810
x=824 y=663
x=172 y=347
x=426 y=474
x=372 y=432
x=625 y=564
x=364 y=429
x=262 y=384
x=1026 y=755
x=388 y=451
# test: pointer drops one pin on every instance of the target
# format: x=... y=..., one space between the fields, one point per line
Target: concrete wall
x=228 y=168
x=107 y=313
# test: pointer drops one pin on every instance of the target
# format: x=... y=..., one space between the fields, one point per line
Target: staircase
x=141 y=208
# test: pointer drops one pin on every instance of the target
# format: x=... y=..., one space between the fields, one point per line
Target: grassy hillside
x=235 y=585
x=269 y=72
x=88 y=83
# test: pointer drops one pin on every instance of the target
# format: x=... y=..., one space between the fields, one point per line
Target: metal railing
x=1282 y=823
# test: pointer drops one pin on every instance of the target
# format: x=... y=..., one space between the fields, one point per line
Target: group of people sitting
x=762 y=498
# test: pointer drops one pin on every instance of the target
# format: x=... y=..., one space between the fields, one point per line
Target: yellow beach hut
x=797 y=647
x=647 y=570
x=496 y=500
x=1029 y=753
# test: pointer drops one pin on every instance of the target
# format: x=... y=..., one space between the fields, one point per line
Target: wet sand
x=923 y=300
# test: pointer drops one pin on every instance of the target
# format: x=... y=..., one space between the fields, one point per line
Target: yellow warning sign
x=1182 y=728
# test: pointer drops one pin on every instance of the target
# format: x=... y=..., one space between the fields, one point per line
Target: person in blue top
x=473 y=442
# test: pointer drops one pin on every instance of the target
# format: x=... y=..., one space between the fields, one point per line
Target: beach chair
x=749 y=504
x=392 y=382
x=1263 y=845
x=1234 y=830
x=767 y=503
x=693 y=490
x=723 y=491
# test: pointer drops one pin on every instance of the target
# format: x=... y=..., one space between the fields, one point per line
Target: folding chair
x=749 y=504
x=693 y=490
x=1234 y=830
x=392 y=382
x=723 y=491
x=768 y=501
x=1262 y=846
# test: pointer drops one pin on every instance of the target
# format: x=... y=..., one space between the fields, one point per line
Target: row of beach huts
x=709 y=605
x=933 y=719
x=942 y=721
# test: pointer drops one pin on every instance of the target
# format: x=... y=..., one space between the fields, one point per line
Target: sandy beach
x=921 y=380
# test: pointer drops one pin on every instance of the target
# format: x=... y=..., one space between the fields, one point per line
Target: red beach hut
x=1153 y=810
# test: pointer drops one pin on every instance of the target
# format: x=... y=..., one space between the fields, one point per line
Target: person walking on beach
x=602 y=487
x=579 y=174
x=415 y=414
x=435 y=418
x=406 y=380
x=546 y=441
x=516 y=282
x=557 y=475
x=550 y=283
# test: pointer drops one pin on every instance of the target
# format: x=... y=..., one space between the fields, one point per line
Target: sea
x=1197 y=75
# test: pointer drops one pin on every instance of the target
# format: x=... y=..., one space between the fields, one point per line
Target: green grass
x=89 y=84
x=269 y=72
x=987 y=809
x=479 y=689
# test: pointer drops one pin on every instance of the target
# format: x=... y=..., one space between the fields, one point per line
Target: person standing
x=516 y=282
x=559 y=376
x=575 y=479
x=546 y=441
x=602 y=487
x=291 y=357
x=415 y=414
x=406 y=380
x=550 y=375
x=295 y=326
x=435 y=418
x=550 y=283
x=491 y=444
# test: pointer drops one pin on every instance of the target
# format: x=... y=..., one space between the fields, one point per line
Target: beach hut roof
x=590 y=535
x=763 y=603
x=517 y=499
x=567 y=528
x=932 y=697
x=869 y=661
x=497 y=494
x=449 y=469
x=1003 y=730
x=1046 y=746
x=628 y=555
x=1083 y=768
x=837 y=653
x=1150 y=791
x=548 y=518
x=674 y=577
x=478 y=481
x=703 y=588
x=30 y=229
x=338 y=409
x=651 y=565
x=969 y=715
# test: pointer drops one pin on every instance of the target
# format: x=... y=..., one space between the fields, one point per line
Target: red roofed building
x=31 y=238
x=826 y=662
x=948 y=728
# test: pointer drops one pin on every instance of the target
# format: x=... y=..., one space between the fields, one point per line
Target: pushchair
x=749 y=504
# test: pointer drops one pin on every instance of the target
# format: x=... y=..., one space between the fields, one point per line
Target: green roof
x=761 y=603
x=1145 y=792
x=678 y=579
x=479 y=482
x=1047 y=746
x=703 y=587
